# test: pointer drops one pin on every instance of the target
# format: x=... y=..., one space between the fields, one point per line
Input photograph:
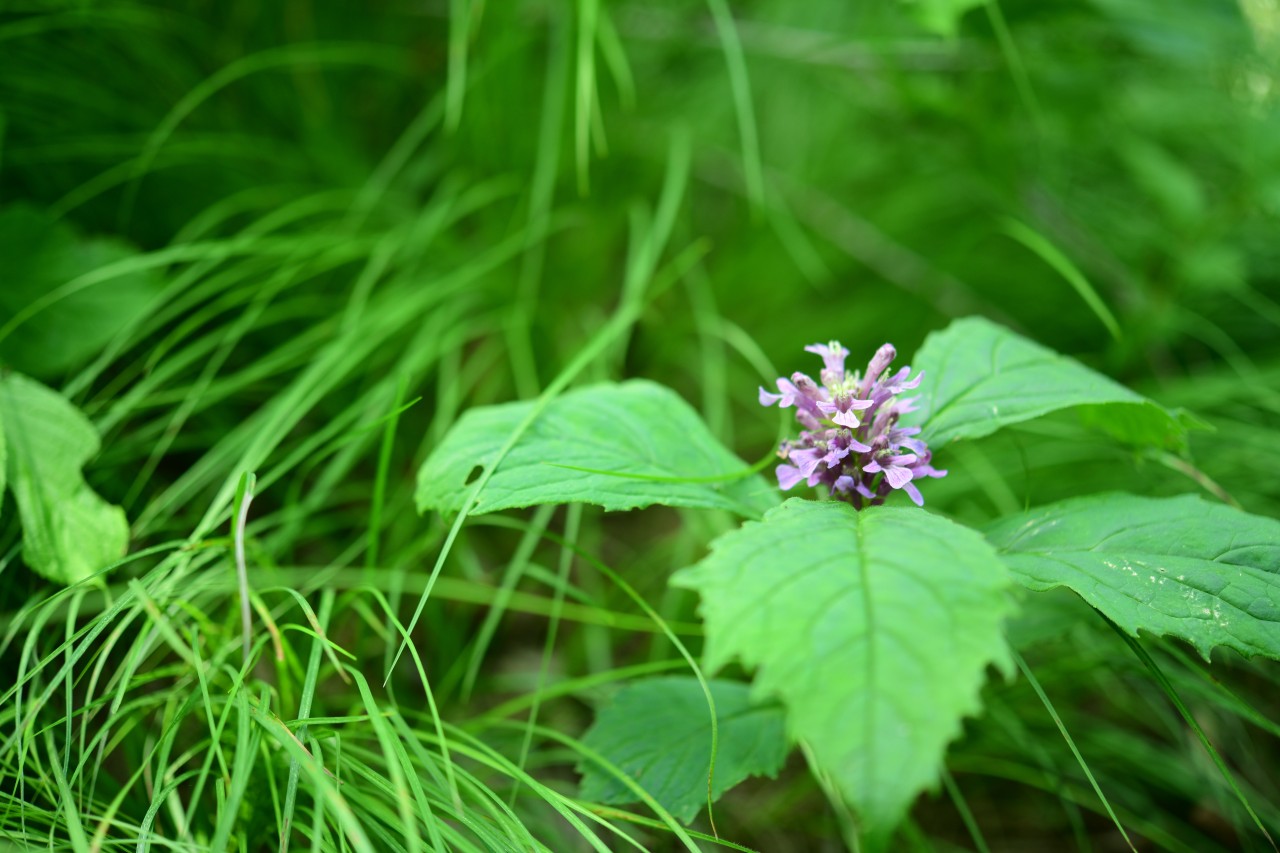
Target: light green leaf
x=874 y=628
x=980 y=377
x=1183 y=567
x=68 y=531
x=658 y=731
x=40 y=256
x=941 y=17
x=621 y=446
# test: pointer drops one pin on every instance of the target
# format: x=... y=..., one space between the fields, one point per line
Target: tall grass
x=358 y=222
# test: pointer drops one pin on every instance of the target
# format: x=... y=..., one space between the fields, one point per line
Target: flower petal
x=834 y=455
x=897 y=476
x=879 y=364
x=913 y=444
x=790 y=393
x=788 y=476
x=846 y=419
x=806 y=460
x=833 y=356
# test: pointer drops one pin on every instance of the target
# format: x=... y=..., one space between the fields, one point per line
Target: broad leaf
x=41 y=256
x=1184 y=567
x=658 y=732
x=621 y=446
x=874 y=628
x=980 y=377
x=68 y=531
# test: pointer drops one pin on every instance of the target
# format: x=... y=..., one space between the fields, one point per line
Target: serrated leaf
x=1181 y=567
x=40 y=256
x=68 y=531
x=637 y=440
x=980 y=377
x=658 y=731
x=874 y=628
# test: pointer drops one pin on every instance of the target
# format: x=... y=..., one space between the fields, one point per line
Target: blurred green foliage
x=322 y=198
x=1141 y=143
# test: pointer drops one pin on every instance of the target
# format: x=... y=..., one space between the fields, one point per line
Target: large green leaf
x=1180 y=566
x=874 y=628
x=980 y=377
x=658 y=732
x=41 y=256
x=68 y=531
x=621 y=446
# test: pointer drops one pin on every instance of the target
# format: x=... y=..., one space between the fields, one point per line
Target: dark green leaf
x=658 y=731
x=1183 y=567
x=41 y=256
x=874 y=628
x=621 y=446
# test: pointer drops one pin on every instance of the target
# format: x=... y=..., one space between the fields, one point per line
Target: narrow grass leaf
x=323 y=786
x=1054 y=257
x=309 y=683
x=1071 y=744
x=243 y=764
x=75 y=829
x=584 y=89
x=740 y=85
x=1195 y=726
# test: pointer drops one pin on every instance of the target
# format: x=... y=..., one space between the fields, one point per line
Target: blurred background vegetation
x=240 y=233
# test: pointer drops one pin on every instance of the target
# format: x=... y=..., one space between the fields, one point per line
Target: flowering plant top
x=851 y=442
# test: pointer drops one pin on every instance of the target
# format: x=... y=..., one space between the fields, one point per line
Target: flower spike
x=850 y=440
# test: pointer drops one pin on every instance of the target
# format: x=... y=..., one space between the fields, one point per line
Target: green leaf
x=68 y=531
x=1182 y=567
x=4 y=464
x=941 y=17
x=639 y=443
x=980 y=377
x=40 y=256
x=874 y=629
x=658 y=731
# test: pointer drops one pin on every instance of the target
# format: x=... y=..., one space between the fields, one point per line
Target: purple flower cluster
x=851 y=441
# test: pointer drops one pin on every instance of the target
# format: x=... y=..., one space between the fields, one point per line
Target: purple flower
x=851 y=442
x=833 y=356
